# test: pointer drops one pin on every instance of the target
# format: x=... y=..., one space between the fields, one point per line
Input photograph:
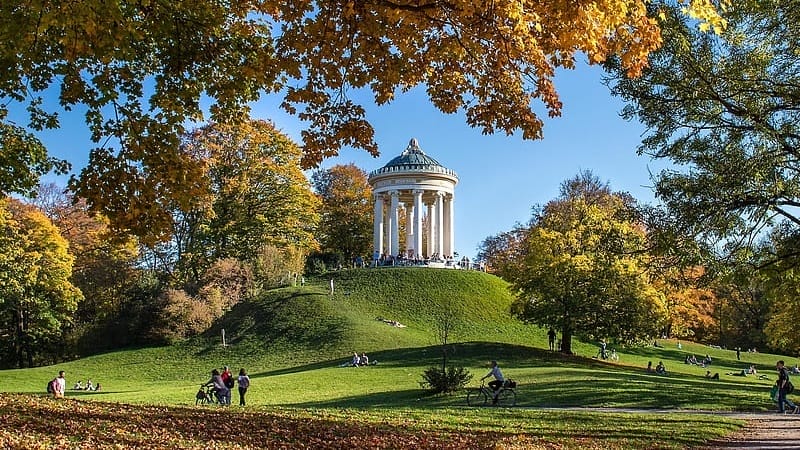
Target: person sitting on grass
x=712 y=377
x=661 y=369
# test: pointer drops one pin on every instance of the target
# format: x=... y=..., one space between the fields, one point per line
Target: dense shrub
x=318 y=263
x=226 y=283
x=315 y=266
x=183 y=316
x=440 y=381
x=275 y=267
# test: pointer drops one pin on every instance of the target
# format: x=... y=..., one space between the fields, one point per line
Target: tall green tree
x=724 y=110
x=777 y=281
x=144 y=69
x=104 y=268
x=583 y=271
x=37 y=300
x=257 y=195
x=345 y=210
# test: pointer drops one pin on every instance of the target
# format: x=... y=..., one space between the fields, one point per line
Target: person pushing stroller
x=221 y=391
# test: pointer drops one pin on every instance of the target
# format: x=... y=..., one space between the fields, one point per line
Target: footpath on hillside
x=764 y=431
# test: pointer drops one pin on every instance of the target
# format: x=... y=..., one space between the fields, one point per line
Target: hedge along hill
x=310 y=324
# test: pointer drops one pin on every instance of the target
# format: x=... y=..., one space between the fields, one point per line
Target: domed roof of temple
x=413 y=159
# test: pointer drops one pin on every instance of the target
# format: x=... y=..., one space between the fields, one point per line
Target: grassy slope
x=295 y=338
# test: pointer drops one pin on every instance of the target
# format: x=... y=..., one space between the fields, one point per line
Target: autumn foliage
x=141 y=71
x=36 y=422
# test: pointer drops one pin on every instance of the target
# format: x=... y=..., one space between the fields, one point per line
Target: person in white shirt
x=244 y=383
x=498 y=381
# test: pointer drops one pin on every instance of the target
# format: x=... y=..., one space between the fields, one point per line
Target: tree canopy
x=142 y=70
x=582 y=269
x=346 y=210
x=254 y=195
x=725 y=110
x=36 y=297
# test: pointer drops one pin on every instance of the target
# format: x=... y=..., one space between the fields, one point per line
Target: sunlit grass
x=292 y=342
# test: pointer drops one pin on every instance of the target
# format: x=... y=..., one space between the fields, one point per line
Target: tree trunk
x=566 y=341
x=18 y=339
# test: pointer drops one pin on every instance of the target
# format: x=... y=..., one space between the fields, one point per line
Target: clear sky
x=500 y=177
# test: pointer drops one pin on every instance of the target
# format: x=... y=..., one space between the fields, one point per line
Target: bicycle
x=481 y=395
x=205 y=396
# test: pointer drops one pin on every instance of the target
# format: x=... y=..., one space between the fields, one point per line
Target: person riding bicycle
x=498 y=380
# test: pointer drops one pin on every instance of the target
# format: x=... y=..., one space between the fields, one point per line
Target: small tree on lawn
x=446 y=321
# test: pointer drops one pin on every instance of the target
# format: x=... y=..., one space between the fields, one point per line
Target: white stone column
x=377 y=223
x=394 y=224
x=430 y=230
x=409 y=230
x=439 y=240
x=418 y=223
x=448 y=226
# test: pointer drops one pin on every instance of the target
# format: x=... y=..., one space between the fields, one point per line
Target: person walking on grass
x=551 y=338
x=221 y=391
x=783 y=384
x=244 y=383
x=498 y=381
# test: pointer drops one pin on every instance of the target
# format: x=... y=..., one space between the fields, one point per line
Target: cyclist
x=498 y=380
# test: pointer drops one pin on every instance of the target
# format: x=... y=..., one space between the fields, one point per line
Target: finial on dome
x=413 y=147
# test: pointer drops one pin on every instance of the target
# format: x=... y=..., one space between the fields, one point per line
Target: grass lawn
x=293 y=340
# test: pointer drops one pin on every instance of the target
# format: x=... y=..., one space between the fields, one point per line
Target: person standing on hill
x=244 y=383
x=551 y=338
x=498 y=381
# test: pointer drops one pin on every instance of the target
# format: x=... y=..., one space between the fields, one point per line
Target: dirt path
x=764 y=431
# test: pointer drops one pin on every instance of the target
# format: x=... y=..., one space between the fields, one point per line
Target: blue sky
x=500 y=177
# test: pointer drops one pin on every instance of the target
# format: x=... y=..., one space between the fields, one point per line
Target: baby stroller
x=204 y=396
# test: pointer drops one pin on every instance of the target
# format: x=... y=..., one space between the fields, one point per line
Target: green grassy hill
x=293 y=341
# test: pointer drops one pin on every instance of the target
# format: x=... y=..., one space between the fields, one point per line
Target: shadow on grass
x=301 y=318
x=468 y=354
x=548 y=379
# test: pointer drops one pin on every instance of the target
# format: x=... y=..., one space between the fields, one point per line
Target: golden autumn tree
x=692 y=310
x=141 y=70
x=581 y=267
x=345 y=210
x=37 y=299
x=257 y=195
